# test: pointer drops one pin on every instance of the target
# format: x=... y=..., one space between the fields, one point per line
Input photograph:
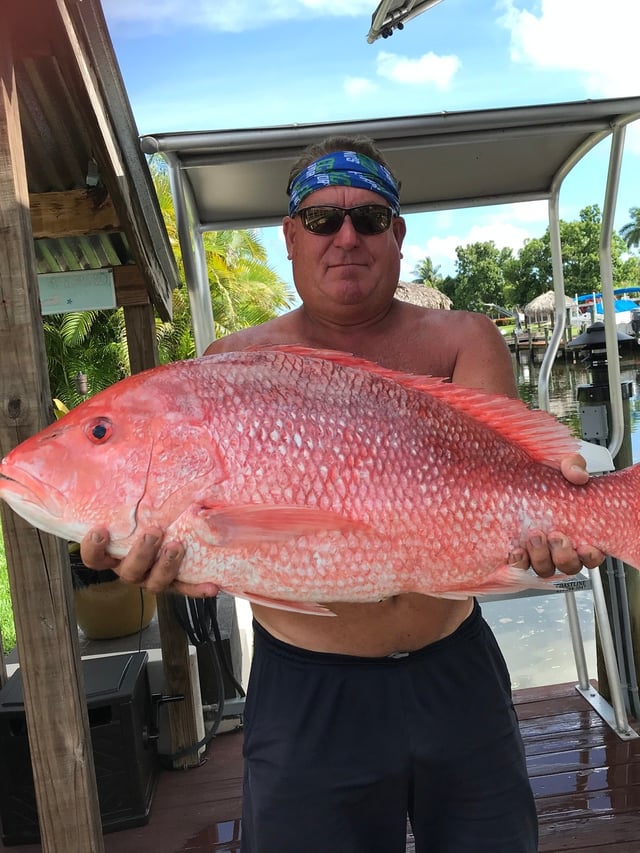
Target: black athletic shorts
x=339 y=750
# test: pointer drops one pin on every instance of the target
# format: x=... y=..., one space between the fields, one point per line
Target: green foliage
x=630 y=232
x=245 y=290
x=89 y=342
x=7 y=627
x=485 y=274
x=532 y=272
x=480 y=277
x=426 y=273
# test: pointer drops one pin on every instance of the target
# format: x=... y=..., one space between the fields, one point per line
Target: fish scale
x=296 y=478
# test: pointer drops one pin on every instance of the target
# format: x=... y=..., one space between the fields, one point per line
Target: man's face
x=346 y=268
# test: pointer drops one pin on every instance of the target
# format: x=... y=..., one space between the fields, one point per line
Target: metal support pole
x=193 y=256
x=576 y=640
x=608 y=650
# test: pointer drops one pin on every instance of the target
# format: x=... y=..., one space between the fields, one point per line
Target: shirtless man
x=401 y=707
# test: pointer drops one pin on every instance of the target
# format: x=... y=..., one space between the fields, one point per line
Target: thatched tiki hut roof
x=422 y=294
x=544 y=305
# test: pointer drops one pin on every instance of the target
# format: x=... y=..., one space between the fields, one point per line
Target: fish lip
x=16 y=483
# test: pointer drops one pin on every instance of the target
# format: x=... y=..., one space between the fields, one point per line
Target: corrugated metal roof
x=79 y=134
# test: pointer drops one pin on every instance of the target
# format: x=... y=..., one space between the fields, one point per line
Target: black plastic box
x=120 y=717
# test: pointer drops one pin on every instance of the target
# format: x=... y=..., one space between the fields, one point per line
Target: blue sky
x=226 y=64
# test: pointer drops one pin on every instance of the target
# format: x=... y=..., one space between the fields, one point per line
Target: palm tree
x=630 y=232
x=427 y=273
x=245 y=290
x=92 y=343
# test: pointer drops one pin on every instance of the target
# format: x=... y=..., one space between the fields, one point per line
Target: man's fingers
x=590 y=557
x=93 y=550
x=196 y=590
x=539 y=554
x=563 y=555
x=164 y=571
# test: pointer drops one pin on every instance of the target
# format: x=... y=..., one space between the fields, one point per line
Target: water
x=533 y=632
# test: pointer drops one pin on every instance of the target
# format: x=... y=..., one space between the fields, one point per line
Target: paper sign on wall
x=82 y=290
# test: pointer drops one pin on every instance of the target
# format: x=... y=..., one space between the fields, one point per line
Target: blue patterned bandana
x=344 y=169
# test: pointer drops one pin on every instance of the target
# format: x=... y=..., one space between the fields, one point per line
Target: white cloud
x=354 y=87
x=228 y=15
x=597 y=40
x=428 y=68
x=508 y=226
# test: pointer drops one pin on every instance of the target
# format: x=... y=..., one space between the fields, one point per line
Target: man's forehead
x=341 y=195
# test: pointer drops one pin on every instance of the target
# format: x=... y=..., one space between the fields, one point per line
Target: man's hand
x=545 y=554
x=151 y=563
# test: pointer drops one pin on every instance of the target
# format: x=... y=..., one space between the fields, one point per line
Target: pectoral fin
x=505 y=579
x=251 y=524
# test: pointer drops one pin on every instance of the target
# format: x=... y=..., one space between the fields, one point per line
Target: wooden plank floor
x=586 y=782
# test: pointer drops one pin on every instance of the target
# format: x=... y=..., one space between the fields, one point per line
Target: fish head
x=88 y=467
x=136 y=454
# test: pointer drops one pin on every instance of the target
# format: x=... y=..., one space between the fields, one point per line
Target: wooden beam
x=102 y=104
x=74 y=213
x=131 y=289
x=54 y=701
x=139 y=322
x=3 y=664
x=143 y=354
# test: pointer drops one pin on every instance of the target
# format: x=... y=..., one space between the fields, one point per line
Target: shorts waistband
x=465 y=631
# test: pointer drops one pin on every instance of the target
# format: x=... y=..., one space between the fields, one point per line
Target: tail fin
x=625 y=501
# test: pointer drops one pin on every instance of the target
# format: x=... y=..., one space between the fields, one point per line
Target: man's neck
x=344 y=331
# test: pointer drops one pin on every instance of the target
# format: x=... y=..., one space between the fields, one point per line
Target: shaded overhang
x=92 y=200
x=237 y=178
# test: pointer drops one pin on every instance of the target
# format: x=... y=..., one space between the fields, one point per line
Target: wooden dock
x=585 y=779
x=532 y=345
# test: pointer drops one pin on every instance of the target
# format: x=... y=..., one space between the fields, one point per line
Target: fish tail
x=624 y=501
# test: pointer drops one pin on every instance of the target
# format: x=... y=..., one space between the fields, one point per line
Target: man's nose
x=346 y=234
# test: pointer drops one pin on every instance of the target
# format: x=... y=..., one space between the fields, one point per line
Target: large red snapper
x=295 y=477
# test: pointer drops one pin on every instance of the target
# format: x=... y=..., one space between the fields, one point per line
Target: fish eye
x=98 y=430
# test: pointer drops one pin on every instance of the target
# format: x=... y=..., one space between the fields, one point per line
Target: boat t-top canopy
x=233 y=179
x=444 y=160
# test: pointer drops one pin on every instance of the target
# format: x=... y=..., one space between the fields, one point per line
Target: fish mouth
x=37 y=502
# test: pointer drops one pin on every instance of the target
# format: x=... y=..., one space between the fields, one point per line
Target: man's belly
x=399 y=624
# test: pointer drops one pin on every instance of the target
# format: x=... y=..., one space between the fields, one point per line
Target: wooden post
x=3 y=665
x=55 y=707
x=143 y=353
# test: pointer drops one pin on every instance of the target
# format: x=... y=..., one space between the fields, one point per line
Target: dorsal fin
x=536 y=432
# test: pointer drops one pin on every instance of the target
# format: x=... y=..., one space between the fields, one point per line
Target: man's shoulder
x=268 y=333
x=450 y=318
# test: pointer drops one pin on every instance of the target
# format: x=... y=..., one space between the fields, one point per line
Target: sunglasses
x=325 y=219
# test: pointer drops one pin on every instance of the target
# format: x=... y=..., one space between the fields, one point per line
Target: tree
x=245 y=290
x=426 y=273
x=580 y=241
x=480 y=277
x=630 y=232
x=531 y=274
x=92 y=343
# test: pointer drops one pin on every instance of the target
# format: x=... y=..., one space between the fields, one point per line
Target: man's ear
x=288 y=230
x=399 y=229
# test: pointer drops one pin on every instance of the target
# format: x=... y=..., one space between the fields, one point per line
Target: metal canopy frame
x=393 y=14
x=235 y=179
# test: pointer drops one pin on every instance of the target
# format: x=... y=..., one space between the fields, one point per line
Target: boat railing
x=615 y=713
